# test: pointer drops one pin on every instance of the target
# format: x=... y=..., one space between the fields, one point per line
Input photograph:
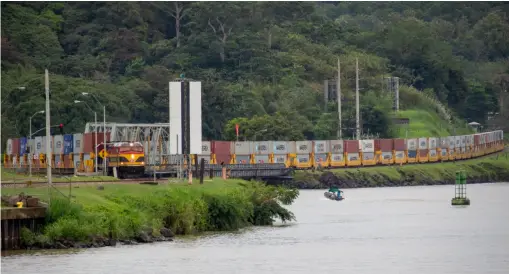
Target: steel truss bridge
x=121 y=132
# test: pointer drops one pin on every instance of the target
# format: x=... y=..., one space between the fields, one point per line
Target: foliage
x=263 y=63
x=125 y=211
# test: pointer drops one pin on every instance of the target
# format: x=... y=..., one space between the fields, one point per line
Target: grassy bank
x=145 y=213
x=488 y=169
x=10 y=176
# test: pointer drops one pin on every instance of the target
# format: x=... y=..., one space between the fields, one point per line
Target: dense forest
x=262 y=64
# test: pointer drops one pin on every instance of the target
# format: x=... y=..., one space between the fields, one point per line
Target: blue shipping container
x=412 y=154
x=68 y=144
x=23 y=145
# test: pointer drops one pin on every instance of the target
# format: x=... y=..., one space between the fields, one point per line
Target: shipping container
x=386 y=156
x=58 y=148
x=50 y=149
x=9 y=147
x=78 y=143
x=423 y=144
x=367 y=145
x=90 y=143
x=432 y=143
x=412 y=154
x=67 y=161
x=321 y=147
x=385 y=145
x=261 y=159
x=399 y=144
x=303 y=160
x=304 y=147
x=68 y=144
x=15 y=146
x=280 y=147
x=411 y=144
x=399 y=156
x=280 y=158
x=337 y=158
x=452 y=142
x=433 y=156
x=243 y=148
x=423 y=155
x=336 y=146
x=321 y=158
x=353 y=158
x=23 y=145
x=368 y=158
x=222 y=151
x=457 y=141
x=443 y=142
x=444 y=154
x=242 y=159
x=463 y=140
x=31 y=146
x=263 y=148
x=351 y=146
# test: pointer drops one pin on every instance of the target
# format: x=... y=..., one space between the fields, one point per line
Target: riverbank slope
x=104 y=215
x=487 y=169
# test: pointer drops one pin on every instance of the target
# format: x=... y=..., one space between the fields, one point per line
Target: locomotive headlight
x=132 y=156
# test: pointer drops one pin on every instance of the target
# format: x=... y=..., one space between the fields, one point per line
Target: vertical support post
x=48 y=133
x=338 y=90
x=96 y=156
x=202 y=170
x=105 y=170
x=30 y=157
x=357 y=112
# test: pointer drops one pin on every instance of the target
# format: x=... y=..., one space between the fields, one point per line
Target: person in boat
x=336 y=191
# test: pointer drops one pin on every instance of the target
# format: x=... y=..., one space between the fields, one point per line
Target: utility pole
x=358 y=129
x=338 y=89
x=48 y=135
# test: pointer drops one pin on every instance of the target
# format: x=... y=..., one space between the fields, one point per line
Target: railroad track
x=77 y=183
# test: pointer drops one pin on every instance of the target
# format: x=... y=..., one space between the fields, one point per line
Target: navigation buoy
x=460 y=189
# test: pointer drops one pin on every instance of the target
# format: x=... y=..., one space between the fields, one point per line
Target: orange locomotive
x=127 y=157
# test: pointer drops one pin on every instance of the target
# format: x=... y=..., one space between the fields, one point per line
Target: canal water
x=384 y=230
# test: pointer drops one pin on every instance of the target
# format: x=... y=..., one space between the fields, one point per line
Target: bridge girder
x=132 y=132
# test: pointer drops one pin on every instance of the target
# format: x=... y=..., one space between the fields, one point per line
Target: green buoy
x=460 y=189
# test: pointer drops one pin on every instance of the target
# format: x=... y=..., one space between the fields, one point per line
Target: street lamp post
x=30 y=157
x=95 y=121
x=104 y=127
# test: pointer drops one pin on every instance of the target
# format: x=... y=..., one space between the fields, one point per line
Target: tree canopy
x=262 y=64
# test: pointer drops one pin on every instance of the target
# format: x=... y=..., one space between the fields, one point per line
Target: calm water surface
x=385 y=230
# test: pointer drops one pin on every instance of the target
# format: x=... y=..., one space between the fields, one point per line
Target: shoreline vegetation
x=494 y=168
x=131 y=214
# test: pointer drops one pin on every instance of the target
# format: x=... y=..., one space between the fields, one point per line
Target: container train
x=77 y=151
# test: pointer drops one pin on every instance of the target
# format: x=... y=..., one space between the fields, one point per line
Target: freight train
x=77 y=151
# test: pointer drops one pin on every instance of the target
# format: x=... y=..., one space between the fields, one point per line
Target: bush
x=184 y=211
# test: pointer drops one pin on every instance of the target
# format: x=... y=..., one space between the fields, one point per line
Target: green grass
x=425 y=123
x=9 y=175
x=490 y=168
x=124 y=211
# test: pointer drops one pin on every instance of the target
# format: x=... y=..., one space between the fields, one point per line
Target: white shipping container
x=242 y=159
x=303 y=158
x=58 y=148
x=353 y=156
x=264 y=148
x=336 y=146
x=280 y=147
x=304 y=147
x=280 y=158
x=291 y=146
x=205 y=147
x=457 y=141
x=444 y=153
x=368 y=145
x=452 y=142
x=321 y=146
x=433 y=143
x=243 y=148
x=411 y=144
x=433 y=153
x=400 y=154
x=337 y=157
x=368 y=156
x=387 y=155
x=320 y=158
x=423 y=143
x=78 y=143
x=9 y=146
x=463 y=140
x=38 y=145
x=443 y=142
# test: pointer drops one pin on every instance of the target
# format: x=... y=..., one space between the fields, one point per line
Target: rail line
x=78 y=183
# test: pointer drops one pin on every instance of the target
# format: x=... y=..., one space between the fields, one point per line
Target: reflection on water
x=384 y=230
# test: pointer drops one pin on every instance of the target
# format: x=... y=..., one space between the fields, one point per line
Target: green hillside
x=262 y=64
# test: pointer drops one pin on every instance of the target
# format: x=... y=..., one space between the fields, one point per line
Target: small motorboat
x=333 y=196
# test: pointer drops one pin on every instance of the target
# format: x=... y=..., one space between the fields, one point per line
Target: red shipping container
x=89 y=139
x=386 y=145
x=423 y=152
x=15 y=146
x=67 y=161
x=378 y=144
x=477 y=139
x=221 y=147
x=351 y=146
x=399 y=144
